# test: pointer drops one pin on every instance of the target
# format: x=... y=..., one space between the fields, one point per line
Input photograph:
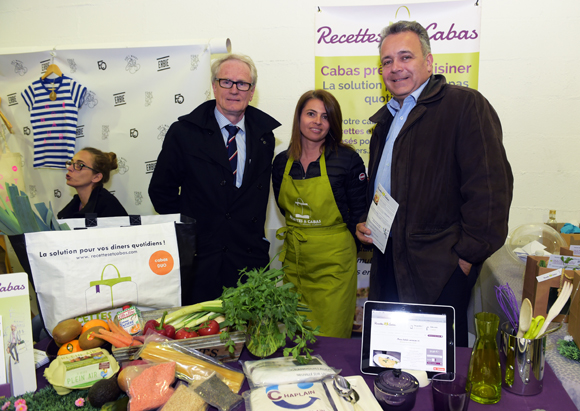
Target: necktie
x=232 y=148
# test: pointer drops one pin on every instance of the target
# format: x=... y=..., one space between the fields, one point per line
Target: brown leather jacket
x=452 y=180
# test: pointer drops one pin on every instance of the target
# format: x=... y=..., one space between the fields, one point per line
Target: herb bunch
x=568 y=349
x=260 y=301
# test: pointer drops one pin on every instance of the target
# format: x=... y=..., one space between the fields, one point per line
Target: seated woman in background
x=320 y=186
x=87 y=172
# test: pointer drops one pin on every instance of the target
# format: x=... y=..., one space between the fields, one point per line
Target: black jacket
x=101 y=202
x=346 y=172
x=230 y=220
x=453 y=183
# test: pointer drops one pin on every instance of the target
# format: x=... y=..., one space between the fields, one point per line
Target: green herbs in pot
x=259 y=305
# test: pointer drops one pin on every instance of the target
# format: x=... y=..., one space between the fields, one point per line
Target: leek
x=213 y=306
x=192 y=322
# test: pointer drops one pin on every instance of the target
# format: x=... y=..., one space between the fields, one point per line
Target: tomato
x=209 y=328
x=185 y=333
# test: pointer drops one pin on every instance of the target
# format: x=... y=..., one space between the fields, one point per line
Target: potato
x=127 y=374
x=66 y=331
x=88 y=340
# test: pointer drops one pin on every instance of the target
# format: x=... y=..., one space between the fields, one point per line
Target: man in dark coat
x=221 y=178
x=437 y=149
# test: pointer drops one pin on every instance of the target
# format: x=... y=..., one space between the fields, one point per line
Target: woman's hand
x=362 y=232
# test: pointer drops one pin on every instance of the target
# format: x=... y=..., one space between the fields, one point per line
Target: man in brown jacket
x=437 y=149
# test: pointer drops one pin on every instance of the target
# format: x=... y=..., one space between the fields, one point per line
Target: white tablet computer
x=407 y=336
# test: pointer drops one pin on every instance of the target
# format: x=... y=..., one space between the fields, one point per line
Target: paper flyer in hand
x=380 y=217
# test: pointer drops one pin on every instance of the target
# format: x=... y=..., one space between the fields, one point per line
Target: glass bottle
x=552 y=217
x=484 y=368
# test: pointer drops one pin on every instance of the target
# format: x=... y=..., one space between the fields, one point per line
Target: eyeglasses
x=78 y=166
x=227 y=83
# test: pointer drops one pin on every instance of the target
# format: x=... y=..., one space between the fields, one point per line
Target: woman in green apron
x=320 y=186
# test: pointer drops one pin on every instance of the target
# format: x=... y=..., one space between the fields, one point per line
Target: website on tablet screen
x=414 y=341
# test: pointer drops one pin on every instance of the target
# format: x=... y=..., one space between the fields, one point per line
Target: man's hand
x=465 y=266
x=361 y=233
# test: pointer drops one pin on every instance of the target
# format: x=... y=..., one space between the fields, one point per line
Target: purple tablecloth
x=344 y=354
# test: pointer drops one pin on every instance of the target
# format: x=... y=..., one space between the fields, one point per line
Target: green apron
x=319 y=251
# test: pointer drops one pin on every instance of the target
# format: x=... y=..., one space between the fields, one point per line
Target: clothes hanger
x=5 y=120
x=53 y=68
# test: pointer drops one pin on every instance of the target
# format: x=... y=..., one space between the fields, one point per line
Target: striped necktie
x=232 y=148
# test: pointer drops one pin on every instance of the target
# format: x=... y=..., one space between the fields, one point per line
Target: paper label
x=564 y=261
x=547 y=276
x=85 y=368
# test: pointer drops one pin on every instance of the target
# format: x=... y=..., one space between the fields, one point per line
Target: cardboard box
x=567 y=251
x=574 y=320
x=543 y=294
x=571 y=239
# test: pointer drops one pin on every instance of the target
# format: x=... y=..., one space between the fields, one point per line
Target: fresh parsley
x=269 y=312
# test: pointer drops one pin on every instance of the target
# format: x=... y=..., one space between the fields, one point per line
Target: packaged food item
x=80 y=370
x=151 y=388
x=190 y=362
x=185 y=399
x=286 y=370
x=217 y=394
x=309 y=396
x=130 y=319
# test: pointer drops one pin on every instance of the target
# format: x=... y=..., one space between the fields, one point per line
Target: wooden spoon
x=525 y=317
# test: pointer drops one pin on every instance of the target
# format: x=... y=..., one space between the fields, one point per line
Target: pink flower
x=80 y=402
x=6 y=405
x=21 y=407
x=21 y=401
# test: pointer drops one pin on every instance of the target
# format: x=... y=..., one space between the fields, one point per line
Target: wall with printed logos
x=527 y=69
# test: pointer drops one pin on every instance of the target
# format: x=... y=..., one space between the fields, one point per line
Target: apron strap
x=296 y=235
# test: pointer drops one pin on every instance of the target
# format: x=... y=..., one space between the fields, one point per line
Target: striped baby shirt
x=54 y=122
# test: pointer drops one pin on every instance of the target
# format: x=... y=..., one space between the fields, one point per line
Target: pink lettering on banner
x=2 y=187
x=326 y=36
x=7 y=199
x=14 y=168
x=451 y=34
x=15 y=181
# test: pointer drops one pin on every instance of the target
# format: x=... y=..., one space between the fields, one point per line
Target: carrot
x=113 y=340
x=120 y=337
x=136 y=342
x=117 y=329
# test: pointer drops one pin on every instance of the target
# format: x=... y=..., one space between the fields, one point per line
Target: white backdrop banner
x=133 y=95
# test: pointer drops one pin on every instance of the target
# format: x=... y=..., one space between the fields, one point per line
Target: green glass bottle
x=484 y=368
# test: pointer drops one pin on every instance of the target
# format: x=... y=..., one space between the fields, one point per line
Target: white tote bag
x=80 y=273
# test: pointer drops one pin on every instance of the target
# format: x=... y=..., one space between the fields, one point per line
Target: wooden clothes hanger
x=5 y=120
x=53 y=68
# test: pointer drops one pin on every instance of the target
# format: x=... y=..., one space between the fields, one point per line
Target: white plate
x=384 y=357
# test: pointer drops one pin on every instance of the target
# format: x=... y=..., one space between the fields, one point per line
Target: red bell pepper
x=185 y=333
x=162 y=329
